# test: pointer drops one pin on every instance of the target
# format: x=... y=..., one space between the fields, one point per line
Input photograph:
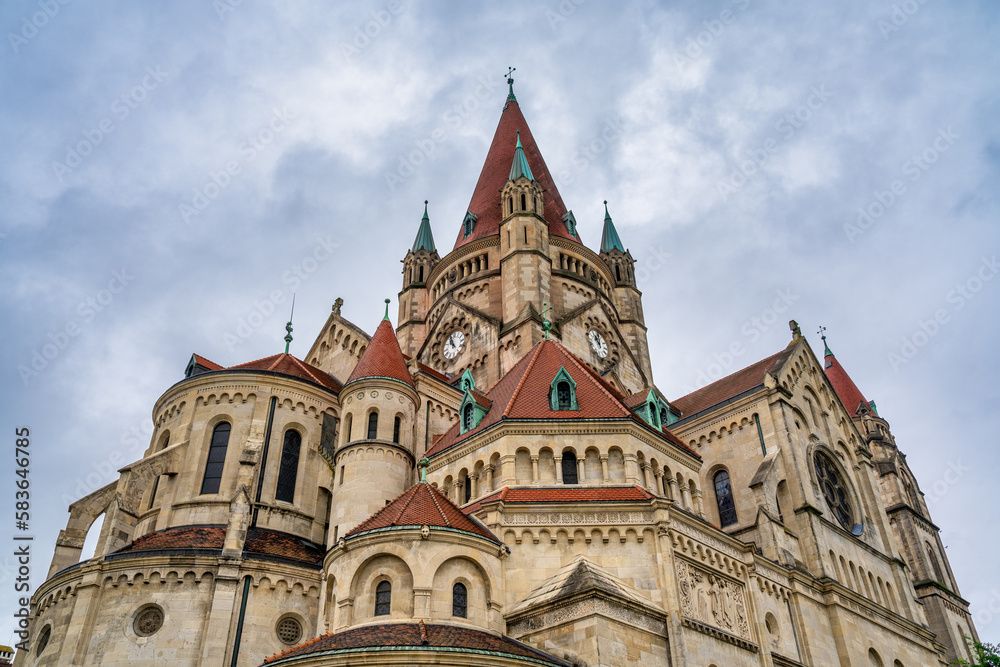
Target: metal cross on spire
x=510 y=82
x=822 y=333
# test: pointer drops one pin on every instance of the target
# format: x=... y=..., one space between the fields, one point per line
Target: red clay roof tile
x=485 y=204
x=207 y=363
x=418 y=636
x=422 y=505
x=260 y=541
x=286 y=364
x=382 y=357
x=847 y=391
x=731 y=385
x=566 y=494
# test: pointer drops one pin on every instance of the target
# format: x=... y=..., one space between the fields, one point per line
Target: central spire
x=485 y=203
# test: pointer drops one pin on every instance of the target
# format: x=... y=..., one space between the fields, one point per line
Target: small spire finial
x=546 y=325
x=288 y=327
x=826 y=348
x=386 y=310
x=423 y=463
x=510 y=83
x=425 y=210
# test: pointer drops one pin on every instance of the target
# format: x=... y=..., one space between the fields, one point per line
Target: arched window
x=420 y=272
x=373 y=425
x=383 y=598
x=618 y=273
x=288 y=469
x=348 y=422
x=724 y=498
x=510 y=205
x=569 y=468
x=664 y=416
x=564 y=395
x=524 y=202
x=534 y=203
x=459 y=601
x=834 y=489
x=395 y=430
x=216 y=458
x=935 y=566
x=873 y=658
x=467 y=490
x=468 y=417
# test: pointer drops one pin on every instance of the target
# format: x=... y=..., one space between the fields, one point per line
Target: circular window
x=148 y=621
x=289 y=630
x=43 y=640
x=834 y=489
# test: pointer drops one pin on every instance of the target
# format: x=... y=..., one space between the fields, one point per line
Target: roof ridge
x=566 y=353
x=437 y=505
x=520 y=383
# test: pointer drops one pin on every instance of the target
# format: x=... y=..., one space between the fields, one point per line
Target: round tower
x=375 y=459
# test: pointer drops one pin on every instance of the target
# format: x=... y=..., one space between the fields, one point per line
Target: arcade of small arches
x=864 y=582
x=592 y=467
x=370 y=429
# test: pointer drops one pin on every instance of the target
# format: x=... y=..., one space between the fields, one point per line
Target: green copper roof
x=520 y=167
x=387 y=302
x=609 y=239
x=425 y=239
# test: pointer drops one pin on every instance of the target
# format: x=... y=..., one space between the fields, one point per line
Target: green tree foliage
x=983 y=655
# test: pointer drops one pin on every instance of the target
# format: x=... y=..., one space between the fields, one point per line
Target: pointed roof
x=609 y=239
x=847 y=391
x=520 y=167
x=382 y=358
x=731 y=386
x=425 y=239
x=579 y=576
x=485 y=203
x=422 y=505
x=286 y=364
x=524 y=393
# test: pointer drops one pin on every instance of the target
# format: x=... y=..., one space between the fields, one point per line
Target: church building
x=497 y=480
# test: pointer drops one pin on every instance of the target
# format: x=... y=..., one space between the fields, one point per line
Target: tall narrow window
x=510 y=205
x=618 y=273
x=348 y=422
x=569 y=468
x=421 y=274
x=288 y=470
x=373 y=425
x=468 y=489
x=383 y=598
x=724 y=498
x=459 y=601
x=524 y=202
x=216 y=458
x=395 y=430
x=152 y=496
x=565 y=396
x=468 y=417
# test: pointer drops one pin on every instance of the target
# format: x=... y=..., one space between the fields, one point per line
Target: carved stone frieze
x=577 y=518
x=712 y=599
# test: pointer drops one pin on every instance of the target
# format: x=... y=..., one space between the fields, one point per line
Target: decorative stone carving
x=713 y=599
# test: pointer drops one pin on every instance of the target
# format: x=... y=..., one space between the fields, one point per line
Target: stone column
x=581 y=471
x=645 y=475
x=422 y=603
x=489 y=478
x=459 y=489
x=698 y=507
x=672 y=483
x=658 y=477
x=685 y=498
x=604 y=469
x=559 y=479
x=534 y=470
x=475 y=484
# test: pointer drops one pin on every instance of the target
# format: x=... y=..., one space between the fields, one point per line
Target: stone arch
x=376 y=569
x=616 y=464
x=592 y=469
x=546 y=466
x=451 y=568
x=522 y=466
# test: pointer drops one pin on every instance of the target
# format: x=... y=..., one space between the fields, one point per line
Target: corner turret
x=420 y=260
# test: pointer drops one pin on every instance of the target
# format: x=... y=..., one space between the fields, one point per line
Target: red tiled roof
x=417 y=636
x=274 y=543
x=565 y=494
x=181 y=537
x=730 y=386
x=207 y=363
x=485 y=202
x=286 y=364
x=523 y=393
x=847 y=391
x=422 y=505
x=382 y=357
x=260 y=541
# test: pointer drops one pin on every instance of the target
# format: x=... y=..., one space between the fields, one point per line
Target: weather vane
x=510 y=82
x=288 y=327
x=822 y=333
x=546 y=325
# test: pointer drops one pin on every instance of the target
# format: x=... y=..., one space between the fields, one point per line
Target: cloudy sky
x=173 y=172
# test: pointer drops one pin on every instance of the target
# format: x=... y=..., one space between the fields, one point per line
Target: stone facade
x=769 y=524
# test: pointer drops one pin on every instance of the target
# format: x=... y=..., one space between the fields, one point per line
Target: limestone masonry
x=496 y=480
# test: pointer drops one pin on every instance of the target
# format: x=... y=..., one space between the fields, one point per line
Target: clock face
x=597 y=342
x=454 y=344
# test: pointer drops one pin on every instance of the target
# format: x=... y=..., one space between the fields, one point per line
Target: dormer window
x=562 y=392
x=469 y=223
x=570 y=220
x=470 y=413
